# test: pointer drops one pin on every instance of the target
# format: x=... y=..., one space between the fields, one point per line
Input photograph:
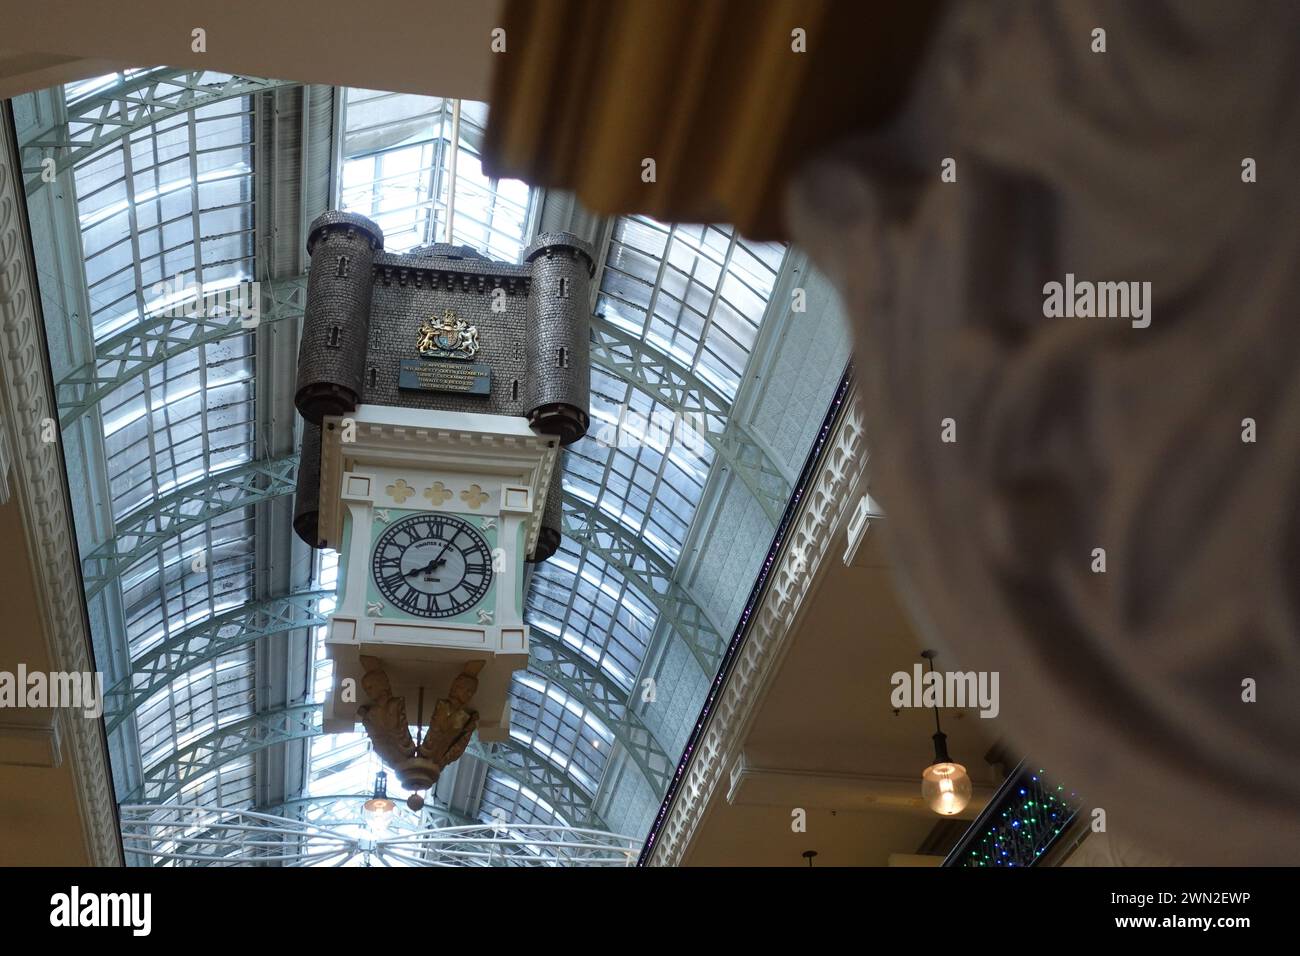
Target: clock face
x=432 y=565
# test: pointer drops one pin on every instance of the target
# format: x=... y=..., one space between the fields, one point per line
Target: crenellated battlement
x=564 y=244
x=348 y=226
x=515 y=280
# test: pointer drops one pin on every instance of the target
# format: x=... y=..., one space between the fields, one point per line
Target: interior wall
x=436 y=47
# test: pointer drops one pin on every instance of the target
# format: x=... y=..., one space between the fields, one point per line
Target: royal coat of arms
x=448 y=337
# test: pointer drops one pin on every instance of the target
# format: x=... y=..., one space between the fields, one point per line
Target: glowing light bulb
x=378 y=810
x=378 y=814
x=946 y=788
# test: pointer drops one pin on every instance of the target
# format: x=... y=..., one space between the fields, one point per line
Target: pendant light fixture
x=945 y=785
x=378 y=810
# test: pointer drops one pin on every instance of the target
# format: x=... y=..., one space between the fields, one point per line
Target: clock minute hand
x=439 y=558
x=414 y=572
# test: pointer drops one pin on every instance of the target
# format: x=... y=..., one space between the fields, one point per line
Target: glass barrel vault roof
x=170 y=204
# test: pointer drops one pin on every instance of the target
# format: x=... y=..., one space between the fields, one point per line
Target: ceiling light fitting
x=945 y=785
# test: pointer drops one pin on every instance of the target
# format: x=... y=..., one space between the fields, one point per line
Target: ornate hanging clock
x=432 y=565
x=430 y=463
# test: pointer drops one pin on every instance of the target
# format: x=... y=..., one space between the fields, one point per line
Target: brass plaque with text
x=460 y=378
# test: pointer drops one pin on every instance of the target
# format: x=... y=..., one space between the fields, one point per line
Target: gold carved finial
x=451 y=725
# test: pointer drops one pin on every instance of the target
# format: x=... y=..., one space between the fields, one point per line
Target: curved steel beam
x=700 y=407
x=617 y=545
x=755 y=469
x=530 y=769
x=189 y=506
x=351 y=803
x=169 y=776
x=206 y=641
x=131 y=104
x=582 y=680
x=634 y=360
x=179 y=834
x=162 y=337
x=697 y=405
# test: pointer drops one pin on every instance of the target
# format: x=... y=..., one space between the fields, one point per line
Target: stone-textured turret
x=336 y=322
x=306 y=499
x=559 y=330
x=548 y=538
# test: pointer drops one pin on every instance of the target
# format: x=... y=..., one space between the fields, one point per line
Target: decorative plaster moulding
x=39 y=482
x=863 y=546
x=817 y=527
x=31 y=739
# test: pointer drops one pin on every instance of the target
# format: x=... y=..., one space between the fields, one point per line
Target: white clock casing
x=487 y=470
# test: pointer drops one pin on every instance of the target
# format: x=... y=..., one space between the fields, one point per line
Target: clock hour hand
x=428 y=568
x=440 y=559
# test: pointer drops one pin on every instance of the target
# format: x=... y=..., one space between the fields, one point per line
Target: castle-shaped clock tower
x=438 y=388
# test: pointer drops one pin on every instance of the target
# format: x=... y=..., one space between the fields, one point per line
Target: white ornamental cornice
x=462 y=441
x=829 y=498
x=40 y=485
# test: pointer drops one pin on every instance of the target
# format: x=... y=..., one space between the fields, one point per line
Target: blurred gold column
x=726 y=96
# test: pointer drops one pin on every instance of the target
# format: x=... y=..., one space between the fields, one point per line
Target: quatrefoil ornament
x=400 y=490
x=474 y=496
x=437 y=493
